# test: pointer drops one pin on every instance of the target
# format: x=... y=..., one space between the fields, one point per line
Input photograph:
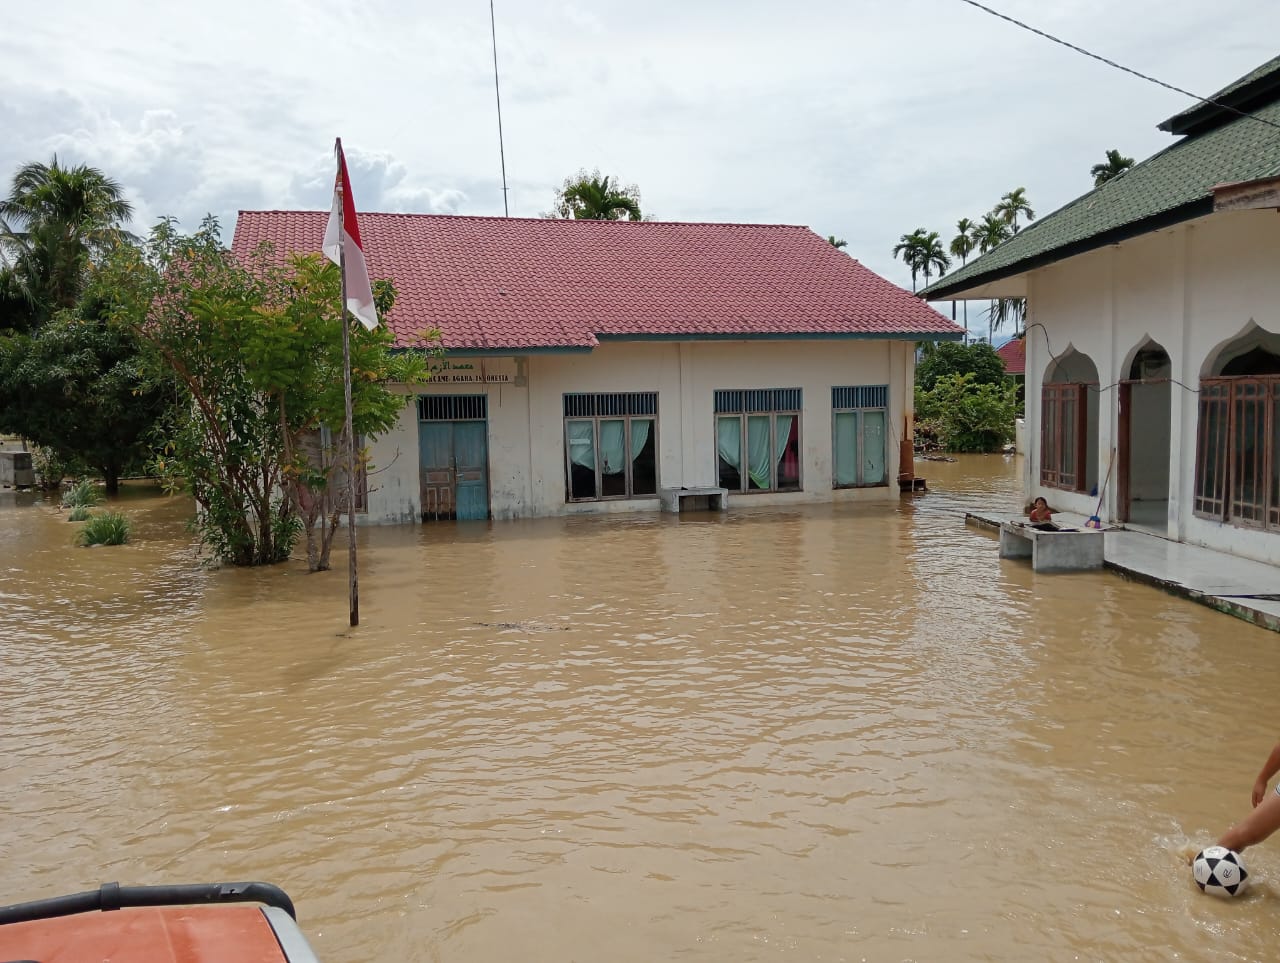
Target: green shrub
x=79 y=514
x=51 y=467
x=109 y=528
x=961 y=415
x=82 y=495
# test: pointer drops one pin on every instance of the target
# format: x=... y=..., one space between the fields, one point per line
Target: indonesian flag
x=342 y=246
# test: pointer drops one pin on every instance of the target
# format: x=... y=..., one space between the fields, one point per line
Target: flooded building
x=1152 y=340
x=600 y=366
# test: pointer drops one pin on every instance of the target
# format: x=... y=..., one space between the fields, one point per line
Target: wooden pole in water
x=353 y=580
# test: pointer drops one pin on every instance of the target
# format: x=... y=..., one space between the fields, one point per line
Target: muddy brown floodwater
x=822 y=733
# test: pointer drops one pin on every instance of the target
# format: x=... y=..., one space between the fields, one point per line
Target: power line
x=1112 y=63
x=493 y=30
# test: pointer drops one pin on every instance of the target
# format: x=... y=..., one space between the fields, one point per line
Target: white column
x=689 y=472
x=1109 y=400
x=1182 y=407
x=1033 y=341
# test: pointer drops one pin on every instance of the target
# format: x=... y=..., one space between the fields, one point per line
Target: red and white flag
x=342 y=246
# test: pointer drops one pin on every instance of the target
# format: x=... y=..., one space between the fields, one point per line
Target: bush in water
x=82 y=495
x=109 y=528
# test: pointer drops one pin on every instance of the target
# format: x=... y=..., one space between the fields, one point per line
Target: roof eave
x=984 y=284
x=1221 y=109
x=955 y=335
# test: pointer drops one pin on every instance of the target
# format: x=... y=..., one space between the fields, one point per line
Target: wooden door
x=471 y=469
x=435 y=470
x=1124 y=470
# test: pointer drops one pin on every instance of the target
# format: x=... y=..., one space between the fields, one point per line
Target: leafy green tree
x=1115 y=165
x=838 y=243
x=951 y=358
x=256 y=353
x=17 y=313
x=54 y=222
x=297 y=367
x=1011 y=206
x=593 y=197
x=962 y=415
x=77 y=386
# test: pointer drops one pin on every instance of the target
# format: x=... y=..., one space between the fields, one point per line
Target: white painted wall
x=526 y=422
x=1192 y=288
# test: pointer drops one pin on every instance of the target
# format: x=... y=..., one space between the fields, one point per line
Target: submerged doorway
x=1142 y=452
x=453 y=457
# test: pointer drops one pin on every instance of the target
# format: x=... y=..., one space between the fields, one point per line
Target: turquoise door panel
x=471 y=464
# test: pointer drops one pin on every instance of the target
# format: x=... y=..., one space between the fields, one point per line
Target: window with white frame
x=858 y=418
x=758 y=439
x=611 y=445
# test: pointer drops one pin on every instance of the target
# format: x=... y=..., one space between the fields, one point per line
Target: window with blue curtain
x=611 y=445
x=859 y=419
x=758 y=439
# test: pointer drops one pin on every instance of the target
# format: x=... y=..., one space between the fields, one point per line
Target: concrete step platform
x=1237 y=586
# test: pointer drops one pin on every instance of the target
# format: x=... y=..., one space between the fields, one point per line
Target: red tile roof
x=1014 y=355
x=492 y=283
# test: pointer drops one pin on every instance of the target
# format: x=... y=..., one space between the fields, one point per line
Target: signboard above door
x=472 y=371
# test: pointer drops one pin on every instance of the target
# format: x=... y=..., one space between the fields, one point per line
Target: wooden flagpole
x=352 y=577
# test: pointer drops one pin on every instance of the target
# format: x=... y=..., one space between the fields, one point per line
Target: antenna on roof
x=506 y=212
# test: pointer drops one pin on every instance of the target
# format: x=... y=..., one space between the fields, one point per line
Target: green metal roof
x=1172 y=186
x=1254 y=89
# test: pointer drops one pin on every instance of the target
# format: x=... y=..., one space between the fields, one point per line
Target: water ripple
x=827 y=731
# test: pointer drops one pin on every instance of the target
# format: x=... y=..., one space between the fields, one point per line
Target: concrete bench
x=1064 y=550
x=695 y=499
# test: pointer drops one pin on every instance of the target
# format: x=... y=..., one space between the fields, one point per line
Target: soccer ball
x=1220 y=872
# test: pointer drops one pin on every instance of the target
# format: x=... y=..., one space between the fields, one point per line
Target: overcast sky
x=861 y=118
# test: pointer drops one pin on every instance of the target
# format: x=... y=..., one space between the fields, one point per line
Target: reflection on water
x=825 y=732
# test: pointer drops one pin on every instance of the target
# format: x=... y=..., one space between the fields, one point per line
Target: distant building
x=1153 y=331
x=593 y=365
x=1014 y=355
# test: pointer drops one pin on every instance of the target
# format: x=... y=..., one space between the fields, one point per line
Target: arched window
x=1069 y=423
x=1238 y=434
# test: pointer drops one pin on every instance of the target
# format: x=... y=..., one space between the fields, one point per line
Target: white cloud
x=862 y=120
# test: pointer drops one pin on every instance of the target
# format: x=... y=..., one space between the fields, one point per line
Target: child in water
x=1265 y=818
x=1040 y=511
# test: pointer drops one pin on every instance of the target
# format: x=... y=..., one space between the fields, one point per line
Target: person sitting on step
x=1041 y=517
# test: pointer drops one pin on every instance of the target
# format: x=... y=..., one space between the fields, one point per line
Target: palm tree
x=55 y=220
x=593 y=198
x=991 y=231
x=1115 y=165
x=932 y=256
x=839 y=244
x=963 y=243
x=909 y=249
x=1003 y=310
x=1013 y=204
x=962 y=246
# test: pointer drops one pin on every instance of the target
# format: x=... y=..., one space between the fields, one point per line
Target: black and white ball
x=1220 y=872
